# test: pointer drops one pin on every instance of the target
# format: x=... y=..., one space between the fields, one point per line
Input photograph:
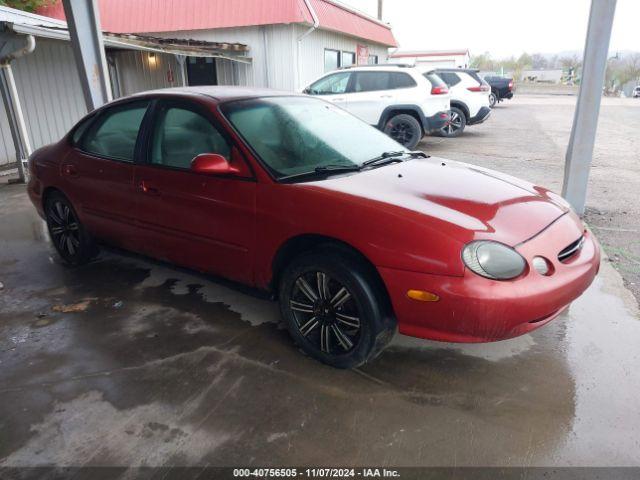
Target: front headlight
x=493 y=260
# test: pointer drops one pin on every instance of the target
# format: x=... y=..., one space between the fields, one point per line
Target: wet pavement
x=127 y=361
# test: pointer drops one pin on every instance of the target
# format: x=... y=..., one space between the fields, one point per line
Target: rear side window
x=180 y=134
x=371 y=81
x=402 y=80
x=449 y=78
x=114 y=133
x=435 y=80
x=331 y=85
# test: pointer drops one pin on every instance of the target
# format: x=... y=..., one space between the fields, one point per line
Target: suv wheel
x=404 y=129
x=455 y=126
x=72 y=241
x=492 y=99
x=334 y=309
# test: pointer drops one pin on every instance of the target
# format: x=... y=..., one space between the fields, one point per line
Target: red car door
x=98 y=173
x=201 y=221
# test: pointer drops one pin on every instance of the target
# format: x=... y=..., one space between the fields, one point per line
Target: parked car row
x=407 y=102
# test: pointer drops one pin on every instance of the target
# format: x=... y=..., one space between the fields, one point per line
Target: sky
x=501 y=27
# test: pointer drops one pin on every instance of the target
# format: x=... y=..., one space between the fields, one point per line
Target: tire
x=455 y=126
x=346 y=325
x=493 y=99
x=71 y=240
x=404 y=129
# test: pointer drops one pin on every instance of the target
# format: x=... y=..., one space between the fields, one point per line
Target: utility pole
x=380 y=10
x=585 y=120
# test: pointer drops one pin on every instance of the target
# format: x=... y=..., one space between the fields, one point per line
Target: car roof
x=221 y=93
x=466 y=70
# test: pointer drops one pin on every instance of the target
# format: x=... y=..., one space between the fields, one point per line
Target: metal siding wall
x=136 y=74
x=312 y=51
x=50 y=95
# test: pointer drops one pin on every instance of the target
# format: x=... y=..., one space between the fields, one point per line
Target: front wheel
x=69 y=237
x=334 y=309
x=493 y=99
x=455 y=126
x=404 y=129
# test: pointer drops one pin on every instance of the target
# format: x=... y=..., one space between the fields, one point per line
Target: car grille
x=571 y=249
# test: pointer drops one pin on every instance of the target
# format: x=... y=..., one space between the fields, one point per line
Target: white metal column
x=585 y=120
x=83 y=20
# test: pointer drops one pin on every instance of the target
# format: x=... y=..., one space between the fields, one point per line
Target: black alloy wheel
x=404 y=129
x=68 y=235
x=335 y=309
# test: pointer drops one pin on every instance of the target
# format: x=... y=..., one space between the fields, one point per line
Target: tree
x=27 y=5
x=538 y=61
x=484 y=62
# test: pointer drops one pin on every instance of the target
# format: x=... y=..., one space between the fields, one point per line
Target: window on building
x=348 y=59
x=373 y=60
x=331 y=60
x=115 y=132
x=179 y=135
x=331 y=84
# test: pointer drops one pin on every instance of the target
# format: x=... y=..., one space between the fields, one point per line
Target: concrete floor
x=131 y=362
x=127 y=361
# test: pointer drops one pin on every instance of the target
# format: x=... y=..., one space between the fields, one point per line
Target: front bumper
x=475 y=309
x=436 y=122
x=480 y=117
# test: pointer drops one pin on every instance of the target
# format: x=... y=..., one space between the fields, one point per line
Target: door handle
x=70 y=169
x=338 y=99
x=385 y=96
x=148 y=189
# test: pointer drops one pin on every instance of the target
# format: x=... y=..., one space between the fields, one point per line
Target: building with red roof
x=290 y=42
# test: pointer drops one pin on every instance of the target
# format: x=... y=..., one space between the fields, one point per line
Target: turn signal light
x=422 y=296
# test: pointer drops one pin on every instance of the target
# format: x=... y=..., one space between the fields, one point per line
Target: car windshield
x=295 y=135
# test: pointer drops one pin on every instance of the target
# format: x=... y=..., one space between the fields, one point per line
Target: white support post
x=83 y=20
x=585 y=120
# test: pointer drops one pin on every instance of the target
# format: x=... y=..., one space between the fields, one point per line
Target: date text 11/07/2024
x=316 y=473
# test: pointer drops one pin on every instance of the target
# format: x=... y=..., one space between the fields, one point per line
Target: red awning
x=147 y=16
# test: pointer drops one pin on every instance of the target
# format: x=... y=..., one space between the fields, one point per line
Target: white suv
x=400 y=100
x=469 y=99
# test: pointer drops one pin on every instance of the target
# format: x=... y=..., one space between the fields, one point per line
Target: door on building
x=202 y=71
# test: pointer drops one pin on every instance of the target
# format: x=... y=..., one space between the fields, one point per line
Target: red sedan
x=356 y=235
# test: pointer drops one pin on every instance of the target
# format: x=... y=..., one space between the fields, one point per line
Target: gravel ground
x=527 y=137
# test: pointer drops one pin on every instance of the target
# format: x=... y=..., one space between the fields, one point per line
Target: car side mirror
x=212 y=164
x=307 y=91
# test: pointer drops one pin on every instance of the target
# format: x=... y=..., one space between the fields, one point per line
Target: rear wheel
x=493 y=99
x=334 y=309
x=455 y=126
x=69 y=237
x=404 y=129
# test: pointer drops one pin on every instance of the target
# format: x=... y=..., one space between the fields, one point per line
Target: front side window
x=331 y=60
x=348 y=59
x=115 y=132
x=331 y=85
x=180 y=134
x=295 y=135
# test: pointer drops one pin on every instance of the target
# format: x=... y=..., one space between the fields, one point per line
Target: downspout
x=316 y=24
x=13 y=107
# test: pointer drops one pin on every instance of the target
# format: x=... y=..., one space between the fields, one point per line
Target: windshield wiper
x=323 y=169
x=392 y=157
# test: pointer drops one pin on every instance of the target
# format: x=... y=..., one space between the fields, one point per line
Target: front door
x=202 y=71
x=99 y=172
x=332 y=88
x=205 y=222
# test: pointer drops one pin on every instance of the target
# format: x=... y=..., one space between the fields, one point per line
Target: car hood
x=458 y=200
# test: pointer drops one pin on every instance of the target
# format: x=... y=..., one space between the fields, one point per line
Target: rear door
x=370 y=93
x=99 y=172
x=202 y=221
